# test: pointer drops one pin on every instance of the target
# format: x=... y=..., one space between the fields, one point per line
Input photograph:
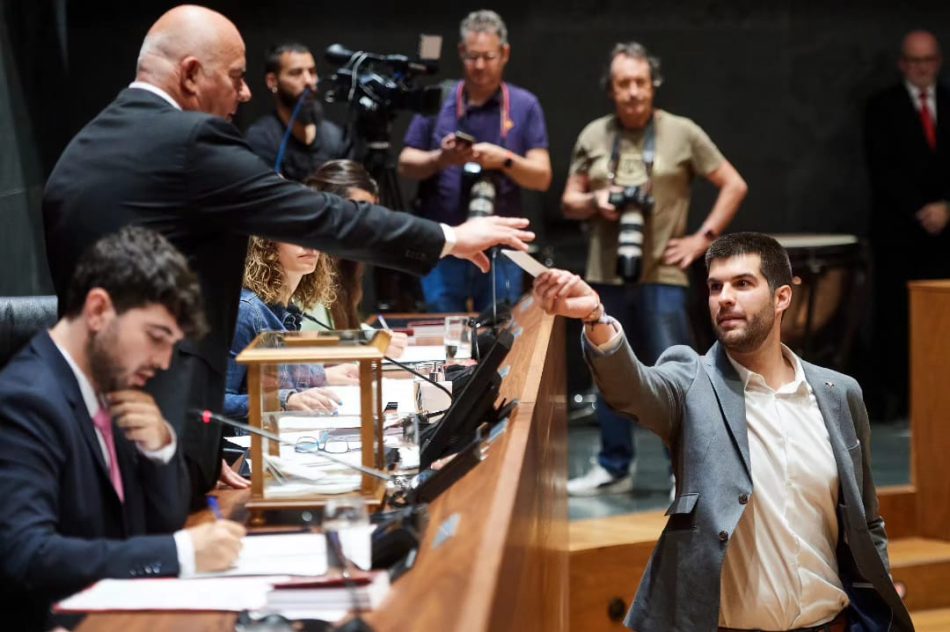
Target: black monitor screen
x=472 y=406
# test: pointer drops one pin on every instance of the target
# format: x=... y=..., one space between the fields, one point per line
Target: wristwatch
x=283 y=395
x=597 y=316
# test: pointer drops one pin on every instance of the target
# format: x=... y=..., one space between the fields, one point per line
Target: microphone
x=207 y=417
x=279 y=160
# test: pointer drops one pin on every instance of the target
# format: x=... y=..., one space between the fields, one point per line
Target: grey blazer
x=696 y=405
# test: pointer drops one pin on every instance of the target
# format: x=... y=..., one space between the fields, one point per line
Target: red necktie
x=927 y=120
x=103 y=422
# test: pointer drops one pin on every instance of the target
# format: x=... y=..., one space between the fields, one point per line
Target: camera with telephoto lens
x=481 y=190
x=633 y=203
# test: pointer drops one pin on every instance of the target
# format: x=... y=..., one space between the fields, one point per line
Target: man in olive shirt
x=662 y=153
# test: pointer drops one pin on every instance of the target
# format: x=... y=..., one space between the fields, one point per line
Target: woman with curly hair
x=348 y=179
x=280 y=280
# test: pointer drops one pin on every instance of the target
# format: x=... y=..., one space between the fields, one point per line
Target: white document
x=421 y=353
x=526 y=262
x=302 y=554
x=232 y=594
x=394 y=390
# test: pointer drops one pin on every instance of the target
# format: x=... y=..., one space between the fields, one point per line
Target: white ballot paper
x=526 y=262
x=302 y=554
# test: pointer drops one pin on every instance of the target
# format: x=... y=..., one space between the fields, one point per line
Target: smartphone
x=464 y=139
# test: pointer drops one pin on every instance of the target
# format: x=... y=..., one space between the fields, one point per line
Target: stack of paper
x=231 y=594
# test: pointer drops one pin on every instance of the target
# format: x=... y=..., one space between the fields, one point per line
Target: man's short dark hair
x=634 y=50
x=274 y=53
x=775 y=266
x=138 y=267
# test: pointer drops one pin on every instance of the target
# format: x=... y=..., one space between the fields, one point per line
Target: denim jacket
x=255 y=316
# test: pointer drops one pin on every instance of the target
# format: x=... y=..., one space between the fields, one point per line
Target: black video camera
x=377 y=86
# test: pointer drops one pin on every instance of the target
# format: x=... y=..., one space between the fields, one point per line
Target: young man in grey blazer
x=775 y=525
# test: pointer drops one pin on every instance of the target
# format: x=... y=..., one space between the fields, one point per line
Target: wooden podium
x=930 y=405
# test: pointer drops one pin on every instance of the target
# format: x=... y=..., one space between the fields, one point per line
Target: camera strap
x=505 y=121
x=649 y=153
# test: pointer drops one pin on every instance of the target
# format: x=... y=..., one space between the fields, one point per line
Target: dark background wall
x=779 y=86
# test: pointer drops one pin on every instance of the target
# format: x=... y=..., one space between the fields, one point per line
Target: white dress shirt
x=183 y=544
x=931 y=98
x=447 y=231
x=780 y=571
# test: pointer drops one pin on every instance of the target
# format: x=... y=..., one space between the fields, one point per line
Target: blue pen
x=382 y=321
x=215 y=507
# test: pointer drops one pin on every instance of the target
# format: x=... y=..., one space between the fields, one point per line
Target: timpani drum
x=830 y=296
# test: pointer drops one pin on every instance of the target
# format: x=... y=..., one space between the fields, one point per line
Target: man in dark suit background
x=165 y=155
x=775 y=525
x=92 y=481
x=907 y=140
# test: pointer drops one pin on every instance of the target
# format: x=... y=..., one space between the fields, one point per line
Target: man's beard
x=107 y=371
x=758 y=328
x=310 y=111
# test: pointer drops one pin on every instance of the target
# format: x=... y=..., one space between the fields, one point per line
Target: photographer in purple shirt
x=509 y=148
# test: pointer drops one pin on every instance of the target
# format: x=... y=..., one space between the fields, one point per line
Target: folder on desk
x=365 y=590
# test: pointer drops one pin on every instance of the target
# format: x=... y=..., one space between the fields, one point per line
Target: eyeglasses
x=471 y=58
x=333 y=445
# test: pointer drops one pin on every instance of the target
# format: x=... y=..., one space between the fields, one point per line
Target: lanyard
x=649 y=152
x=505 y=122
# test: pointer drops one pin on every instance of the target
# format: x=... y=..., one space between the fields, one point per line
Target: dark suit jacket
x=62 y=526
x=192 y=177
x=905 y=175
x=696 y=404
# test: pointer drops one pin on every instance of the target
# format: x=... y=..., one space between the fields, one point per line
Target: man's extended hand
x=933 y=217
x=139 y=418
x=217 y=545
x=564 y=294
x=477 y=235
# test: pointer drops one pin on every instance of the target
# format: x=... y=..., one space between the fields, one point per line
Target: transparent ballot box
x=326 y=449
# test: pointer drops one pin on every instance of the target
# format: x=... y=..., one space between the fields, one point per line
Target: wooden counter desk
x=506 y=566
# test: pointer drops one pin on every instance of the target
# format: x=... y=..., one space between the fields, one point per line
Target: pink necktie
x=103 y=422
x=927 y=120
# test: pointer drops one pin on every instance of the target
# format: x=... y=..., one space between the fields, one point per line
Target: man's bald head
x=920 y=58
x=197 y=56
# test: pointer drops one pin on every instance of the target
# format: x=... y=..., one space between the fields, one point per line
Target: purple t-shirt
x=440 y=196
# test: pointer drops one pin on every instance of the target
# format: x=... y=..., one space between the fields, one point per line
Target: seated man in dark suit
x=92 y=482
x=163 y=154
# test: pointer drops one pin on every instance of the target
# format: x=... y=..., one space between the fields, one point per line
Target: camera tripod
x=389 y=290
